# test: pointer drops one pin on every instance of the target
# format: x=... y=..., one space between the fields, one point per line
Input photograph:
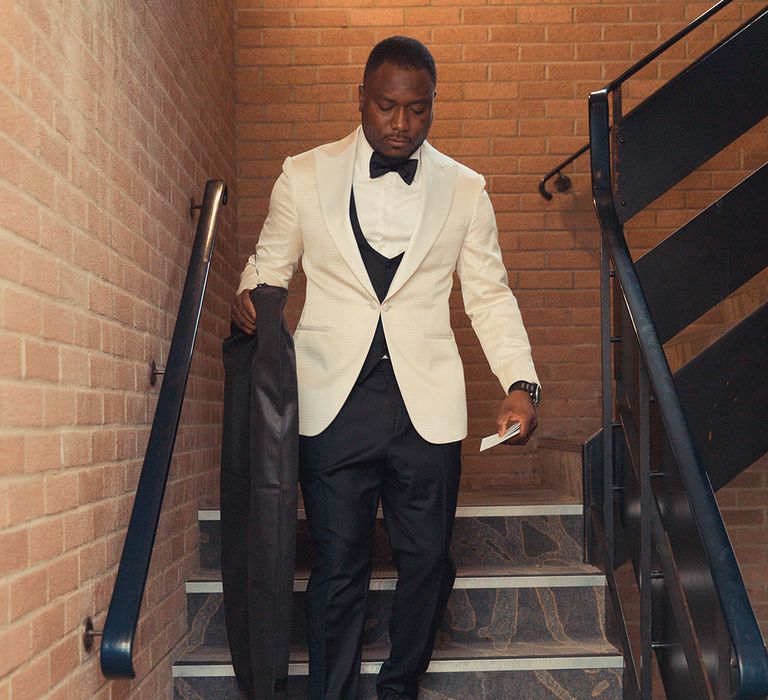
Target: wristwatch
x=534 y=390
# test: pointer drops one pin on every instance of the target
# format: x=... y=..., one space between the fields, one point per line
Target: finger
x=502 y=422
x=530 y=426
x=249 y=311
x=242 y=322
x=520 y=438
x=527 y=426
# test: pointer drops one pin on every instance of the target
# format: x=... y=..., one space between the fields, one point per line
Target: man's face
x=396 y=108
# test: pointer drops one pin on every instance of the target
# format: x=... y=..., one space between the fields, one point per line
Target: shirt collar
x=363 y=153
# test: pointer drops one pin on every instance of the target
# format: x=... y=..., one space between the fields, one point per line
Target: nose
x=400 y=120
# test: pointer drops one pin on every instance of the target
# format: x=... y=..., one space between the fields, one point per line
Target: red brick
x=27 y=501
x=15 y=647
x=432 y=16
x=28 y=592
x=490 y=16
x=545 y=15
x=14 y=546
x=264 y=18
x=321 y=18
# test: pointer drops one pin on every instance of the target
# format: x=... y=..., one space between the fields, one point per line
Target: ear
x=360 y=96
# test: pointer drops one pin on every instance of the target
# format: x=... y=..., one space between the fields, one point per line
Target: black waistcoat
x=381 y=270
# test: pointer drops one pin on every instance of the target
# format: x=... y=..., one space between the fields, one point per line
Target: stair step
x=501 y=535
x=209 y=580
x=533 y=672
x=512 y=657
x=525 y=618
x=465 y=511
x=555 y=605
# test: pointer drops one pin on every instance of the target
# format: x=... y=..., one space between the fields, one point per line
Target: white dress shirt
x=387 y=208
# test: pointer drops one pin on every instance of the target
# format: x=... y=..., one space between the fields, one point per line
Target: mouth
x=398 y=141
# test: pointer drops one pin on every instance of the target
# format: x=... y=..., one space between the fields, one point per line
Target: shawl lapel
x=334 y=166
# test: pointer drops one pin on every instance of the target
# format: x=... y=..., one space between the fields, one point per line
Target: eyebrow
x=424 y=101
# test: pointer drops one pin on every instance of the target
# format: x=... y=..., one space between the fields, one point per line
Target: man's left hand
x=517 y=407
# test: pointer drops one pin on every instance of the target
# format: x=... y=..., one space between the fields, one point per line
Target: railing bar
x=125 y=605
x=719 y=553
x=682 y=614
x=586 y=484
x=748 y=645
x=616 y=105
x=646 y=629
x=643 y=62
x=630 y=669
x=632 y=439
x=555 y=171
x=607 y=407
x=626 y=75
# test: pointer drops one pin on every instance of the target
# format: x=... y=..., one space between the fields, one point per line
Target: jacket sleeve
x=280 y=245
x=488 y=301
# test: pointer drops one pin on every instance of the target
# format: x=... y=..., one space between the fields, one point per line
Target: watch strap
x=531 y=388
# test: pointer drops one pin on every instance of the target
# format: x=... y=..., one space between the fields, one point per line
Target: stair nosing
x=214 y=514
x=387 y=583
x=463 y=664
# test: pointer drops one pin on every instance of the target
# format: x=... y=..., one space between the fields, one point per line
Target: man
x=381 y=220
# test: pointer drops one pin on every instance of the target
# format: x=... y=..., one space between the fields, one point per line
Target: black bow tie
x=381 y=165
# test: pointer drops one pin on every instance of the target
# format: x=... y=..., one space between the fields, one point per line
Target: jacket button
x=374 y=306
x=386 y=307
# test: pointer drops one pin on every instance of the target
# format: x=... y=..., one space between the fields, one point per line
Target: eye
x=418 y=110
x=386 y=107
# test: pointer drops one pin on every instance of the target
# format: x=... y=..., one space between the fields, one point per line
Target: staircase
x=684 y=332
x=526 y=618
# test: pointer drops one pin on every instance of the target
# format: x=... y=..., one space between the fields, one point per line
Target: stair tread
x=214 y=655
x=574 y=570
x=500 y=496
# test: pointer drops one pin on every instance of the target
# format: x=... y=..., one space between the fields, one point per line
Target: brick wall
x=513 y=78
x=112 y=114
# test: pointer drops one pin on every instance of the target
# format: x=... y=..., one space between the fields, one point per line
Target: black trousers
x=372 y=452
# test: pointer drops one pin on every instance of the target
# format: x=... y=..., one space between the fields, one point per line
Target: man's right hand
x=243 y=313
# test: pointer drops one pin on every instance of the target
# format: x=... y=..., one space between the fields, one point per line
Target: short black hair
x=403 y=51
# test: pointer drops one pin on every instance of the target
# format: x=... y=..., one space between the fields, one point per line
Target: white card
x=493 y=440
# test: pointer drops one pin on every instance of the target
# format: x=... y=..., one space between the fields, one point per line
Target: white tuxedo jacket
x=308 y=219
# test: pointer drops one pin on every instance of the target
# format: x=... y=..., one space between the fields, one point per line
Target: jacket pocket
x=313 y=329
x=438 y=336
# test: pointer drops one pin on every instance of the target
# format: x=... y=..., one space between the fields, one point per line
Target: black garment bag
x=259 y=473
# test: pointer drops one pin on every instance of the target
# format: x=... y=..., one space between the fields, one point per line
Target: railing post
x=607 y=404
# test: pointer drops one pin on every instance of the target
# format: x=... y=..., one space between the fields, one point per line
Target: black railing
x=646 y=484
x=563 y=183
x=123 y=615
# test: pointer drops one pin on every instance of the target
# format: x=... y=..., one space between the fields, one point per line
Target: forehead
x=392 y=80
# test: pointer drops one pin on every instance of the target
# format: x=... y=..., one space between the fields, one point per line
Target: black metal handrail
x=123 y=615
x=563 y=183
x=749 y=660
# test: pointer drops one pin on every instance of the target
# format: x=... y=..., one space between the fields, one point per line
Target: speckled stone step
x=557 y=604
x=525 y=619
x=502 y=535
x=515 y=671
